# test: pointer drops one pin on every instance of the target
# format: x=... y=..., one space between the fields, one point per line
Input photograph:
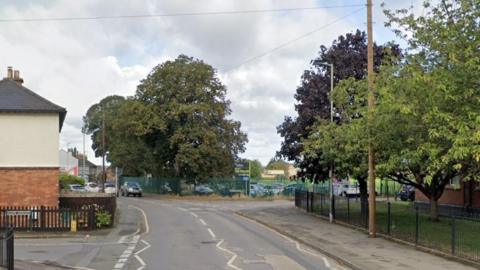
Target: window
x=455 y=182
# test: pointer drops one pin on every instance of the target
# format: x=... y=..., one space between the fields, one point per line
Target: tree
x=428 y=115
x=344 y=143
x=256 y=169
x=278 y=164
x=99 y=115
x=177 y=124
x=348 y=54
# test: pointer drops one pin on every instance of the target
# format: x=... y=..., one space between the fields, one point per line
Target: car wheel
x=140 y=195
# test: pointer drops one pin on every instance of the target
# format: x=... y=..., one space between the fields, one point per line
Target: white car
x=346 y=190
x=76 y=188
x=110 y=188
x=92 y=187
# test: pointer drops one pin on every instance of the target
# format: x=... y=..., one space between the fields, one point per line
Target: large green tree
x=426 y=129
x=348 y=55
x=177 y=124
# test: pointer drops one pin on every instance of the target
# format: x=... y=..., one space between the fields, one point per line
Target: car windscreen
x=132 y=185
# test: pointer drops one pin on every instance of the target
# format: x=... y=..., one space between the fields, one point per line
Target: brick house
x=457 y=194
x=29 y=142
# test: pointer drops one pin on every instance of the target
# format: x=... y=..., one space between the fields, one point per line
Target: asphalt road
x=157 y=234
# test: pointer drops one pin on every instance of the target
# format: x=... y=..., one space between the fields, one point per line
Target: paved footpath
x=349 y=244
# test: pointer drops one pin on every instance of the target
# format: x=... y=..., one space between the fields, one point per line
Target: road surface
x=184 y=235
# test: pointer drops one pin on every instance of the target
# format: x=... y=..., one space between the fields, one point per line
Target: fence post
x=454 y=232
x=308 y=201
x=389 y=218
x=311 y=201
x=333 y=207
x=348 y=209
x=417 y=221
x=91 y=214
x=42 y=217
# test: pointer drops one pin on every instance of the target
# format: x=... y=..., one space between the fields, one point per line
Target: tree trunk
x=433 y=209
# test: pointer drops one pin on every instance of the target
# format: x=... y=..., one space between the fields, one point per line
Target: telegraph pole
x=372 y=230
x=104 y=175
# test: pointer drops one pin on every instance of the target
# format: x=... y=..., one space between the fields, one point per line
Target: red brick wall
x=454 y=196
x=29 y=187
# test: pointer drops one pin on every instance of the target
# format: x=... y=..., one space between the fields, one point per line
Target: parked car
x=76 y=187
x=346 y=190
x=407 y=193
x=110 y=188
x=92 y=187
x=203 y=190
x=289 y=190
x=131 y=188
x=257 y=190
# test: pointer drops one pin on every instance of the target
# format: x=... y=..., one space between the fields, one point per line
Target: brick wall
x=29 y=187
x=454 y=196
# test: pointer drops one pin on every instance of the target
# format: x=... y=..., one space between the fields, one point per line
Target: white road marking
x=325 y=261
x=232 y=259
x=147 y=227
x=211 y=233
x=183 y=209
x=143 y=249
x=193 y=214
x=203 y=222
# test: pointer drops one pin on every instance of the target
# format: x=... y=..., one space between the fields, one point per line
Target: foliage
x=348 y=55
x=103 y=218
x=426 y=129
x=256 y=169
x=176 y=124
x=66 y=179
x=278 y=164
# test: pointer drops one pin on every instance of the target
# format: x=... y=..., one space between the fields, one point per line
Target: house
x=68 y=163
x=29 y=141
x=457 y=194
x=273 y=174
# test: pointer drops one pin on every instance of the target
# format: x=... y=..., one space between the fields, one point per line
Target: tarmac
x=349 y=246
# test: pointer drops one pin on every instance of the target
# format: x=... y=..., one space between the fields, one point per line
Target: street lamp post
x=330 y=173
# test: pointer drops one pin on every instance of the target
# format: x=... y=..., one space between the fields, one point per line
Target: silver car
x=131 y=188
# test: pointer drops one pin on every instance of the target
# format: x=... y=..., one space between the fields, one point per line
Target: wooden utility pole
x=104 y=174
x=372 y=230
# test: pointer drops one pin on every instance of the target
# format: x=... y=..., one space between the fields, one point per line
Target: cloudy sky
x=75 y=63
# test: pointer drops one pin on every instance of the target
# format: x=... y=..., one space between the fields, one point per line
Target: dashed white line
x=193 y=214
x=183 y=209
x=203 y=222
x=211 y=233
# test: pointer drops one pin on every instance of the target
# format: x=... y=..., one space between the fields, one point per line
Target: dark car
x=407 y=193
x=131 y=188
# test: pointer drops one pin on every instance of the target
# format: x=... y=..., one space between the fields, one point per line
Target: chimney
x=16 y=77
x=9 y=73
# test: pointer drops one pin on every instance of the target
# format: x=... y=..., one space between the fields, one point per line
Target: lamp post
x=330 y=173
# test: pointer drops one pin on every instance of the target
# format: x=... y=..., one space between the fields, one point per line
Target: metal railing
x=6 y=249
x=453 y=234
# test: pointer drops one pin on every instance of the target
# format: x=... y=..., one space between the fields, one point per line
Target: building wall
x=453 y=196
x=29 y=159
x=29 y=140
x=29 y=186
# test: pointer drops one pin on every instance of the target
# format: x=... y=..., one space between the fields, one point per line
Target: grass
x=432 y=234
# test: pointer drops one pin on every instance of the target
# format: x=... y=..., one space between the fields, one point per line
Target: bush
x=67 y=179
x=103 y=218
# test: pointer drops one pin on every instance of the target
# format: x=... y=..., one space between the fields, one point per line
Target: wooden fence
x=46 y=218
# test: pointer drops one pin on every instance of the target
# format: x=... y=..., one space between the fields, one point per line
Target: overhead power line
x=293 y=40
x=181 y=14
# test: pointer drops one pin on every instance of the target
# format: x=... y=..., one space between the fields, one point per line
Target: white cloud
x=76 y=63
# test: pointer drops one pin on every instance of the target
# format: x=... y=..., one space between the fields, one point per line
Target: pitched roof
x=16 y=98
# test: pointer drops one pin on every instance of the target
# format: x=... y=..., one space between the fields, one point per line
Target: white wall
x=29 y=140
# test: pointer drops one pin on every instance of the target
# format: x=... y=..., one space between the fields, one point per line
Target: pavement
x=352 y=247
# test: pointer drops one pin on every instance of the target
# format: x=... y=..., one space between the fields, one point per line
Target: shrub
x=103 y=218
x=67 y=179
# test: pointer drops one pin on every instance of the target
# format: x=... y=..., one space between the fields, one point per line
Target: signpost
x=242 y=171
